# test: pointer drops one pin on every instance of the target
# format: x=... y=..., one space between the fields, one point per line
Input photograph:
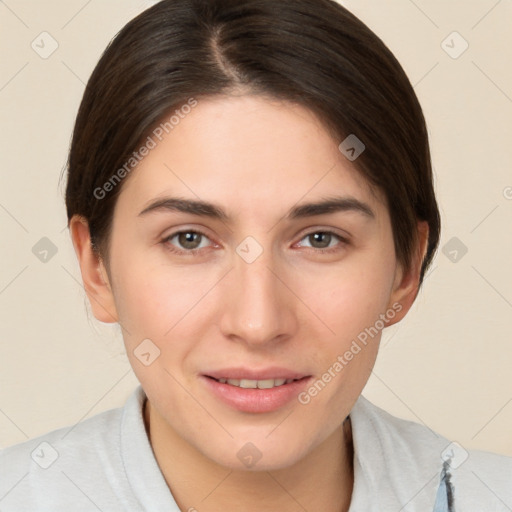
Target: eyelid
x=173 y=248
x=343 y=241
x=341 y=234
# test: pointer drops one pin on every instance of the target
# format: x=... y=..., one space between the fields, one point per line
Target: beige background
x=448 y=365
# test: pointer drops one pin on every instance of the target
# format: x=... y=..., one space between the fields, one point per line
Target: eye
x=322 y=240
x=191 y=242
x=186 y=241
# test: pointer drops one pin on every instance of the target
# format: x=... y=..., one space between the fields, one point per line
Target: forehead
x=248 y=152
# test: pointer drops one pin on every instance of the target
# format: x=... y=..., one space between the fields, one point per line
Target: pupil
x=189 y=240
x=323 y=238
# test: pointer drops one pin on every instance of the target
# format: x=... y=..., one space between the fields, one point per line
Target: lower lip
x=256 y=400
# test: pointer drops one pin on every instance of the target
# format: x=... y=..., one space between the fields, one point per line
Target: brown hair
x=312 y=52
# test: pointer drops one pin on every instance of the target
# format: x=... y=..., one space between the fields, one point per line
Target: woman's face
x=257 y=287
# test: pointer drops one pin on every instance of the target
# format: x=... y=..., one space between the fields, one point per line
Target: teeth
x=256 y=384
x=248 y=384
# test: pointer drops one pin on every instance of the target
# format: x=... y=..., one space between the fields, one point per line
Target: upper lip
x=273 y=372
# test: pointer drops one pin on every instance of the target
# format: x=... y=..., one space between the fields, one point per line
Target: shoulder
x=71 y=438
x=68 y=466
x=485 y=477
x=412 y=455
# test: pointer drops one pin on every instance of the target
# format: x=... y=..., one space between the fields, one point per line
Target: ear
x=94 y=274
x=406 y=285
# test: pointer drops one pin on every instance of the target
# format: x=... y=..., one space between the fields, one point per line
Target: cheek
x=147 y=297
x=350 y=303
x=351 y=298
x=158 y=305
x=166 y=303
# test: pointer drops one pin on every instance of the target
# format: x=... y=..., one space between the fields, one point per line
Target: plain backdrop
x=447 y=365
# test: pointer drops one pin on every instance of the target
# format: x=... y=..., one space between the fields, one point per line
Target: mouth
x=254 y=391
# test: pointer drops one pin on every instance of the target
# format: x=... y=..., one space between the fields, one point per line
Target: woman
x=250 y=197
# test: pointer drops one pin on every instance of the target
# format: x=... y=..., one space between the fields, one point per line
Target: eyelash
x=197 y=252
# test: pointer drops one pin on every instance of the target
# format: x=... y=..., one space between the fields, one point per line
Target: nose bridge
x=258 y=308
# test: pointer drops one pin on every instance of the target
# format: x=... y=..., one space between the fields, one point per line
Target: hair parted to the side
x=311 y=52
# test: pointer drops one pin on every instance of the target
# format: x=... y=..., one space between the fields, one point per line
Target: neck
x=323 y=480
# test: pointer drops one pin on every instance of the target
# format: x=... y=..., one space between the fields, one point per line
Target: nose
x=258 y=306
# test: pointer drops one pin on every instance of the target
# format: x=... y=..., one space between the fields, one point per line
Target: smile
x=256 y=384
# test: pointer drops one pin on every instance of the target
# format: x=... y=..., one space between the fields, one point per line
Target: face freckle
x=261 y=294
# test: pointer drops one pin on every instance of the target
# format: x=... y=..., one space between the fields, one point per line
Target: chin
x=257 y=452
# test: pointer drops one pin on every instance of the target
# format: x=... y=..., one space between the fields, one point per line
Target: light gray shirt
x=106 y=463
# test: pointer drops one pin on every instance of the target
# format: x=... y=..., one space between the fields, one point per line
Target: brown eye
x=189 y=239
x=324 y=241
x=186 y=242
x=320 y=240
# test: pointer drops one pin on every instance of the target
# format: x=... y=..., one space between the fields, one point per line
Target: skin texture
x=296 y=306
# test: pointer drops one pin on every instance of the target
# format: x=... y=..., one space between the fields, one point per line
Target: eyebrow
x=206 y=209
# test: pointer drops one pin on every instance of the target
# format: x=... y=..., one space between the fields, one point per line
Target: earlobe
x=94 y=275
x=406 y=285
